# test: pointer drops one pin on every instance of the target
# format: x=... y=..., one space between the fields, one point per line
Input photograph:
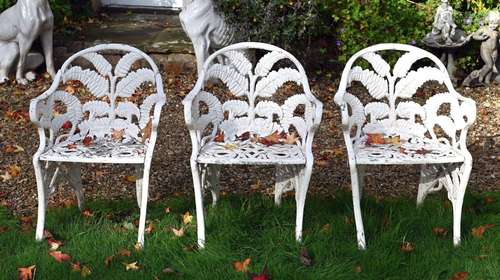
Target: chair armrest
x=35 y=104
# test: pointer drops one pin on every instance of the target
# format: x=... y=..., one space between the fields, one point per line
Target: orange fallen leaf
x=54 y=244
x=71 y=146
x=131 y=266
x=149 y=229
x=219 y=137
x=87 y=213
x=479 y=231
x=463 y=275
x=13 y=149
x=407 y=247
x=374 y=139
x=130 y=178
x=488 y=200
x=147 y=131
x=178 y=232
x=70 y=89
x=76 y=267
x=60 y=256
x=273 y=139
x=439 y=231
x=242 y=266
x=4 y=229
x=167 y=210
x=117 y=135
x=187 y=218
x=137 y=247
x=26 y=273
x=291 y=138
x=124 y=253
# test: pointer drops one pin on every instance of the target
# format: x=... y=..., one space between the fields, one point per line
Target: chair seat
x=247 y=152
x=103 y=151
x=415 y=151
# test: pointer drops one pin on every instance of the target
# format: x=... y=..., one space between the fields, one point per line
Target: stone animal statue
x=490 y=42
x=20 y=26
x=206 y=28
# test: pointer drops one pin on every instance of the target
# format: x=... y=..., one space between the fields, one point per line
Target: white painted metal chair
x=239 y=123
x=432 y=134
x=110 y=125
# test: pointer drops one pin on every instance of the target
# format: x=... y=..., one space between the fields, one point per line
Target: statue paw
x=30 y=76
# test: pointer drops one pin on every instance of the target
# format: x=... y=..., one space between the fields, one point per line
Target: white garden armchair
x=116 y=123
x=229 y=132
x=394 y=128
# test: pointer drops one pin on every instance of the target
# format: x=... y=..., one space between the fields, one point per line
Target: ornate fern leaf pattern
x=270 y=84
x=128 y=85
x=408 y=85
x=404 y=64
x=267 y=62
x=240 y=62
x=123 y=66
x=96 y=83
x=377 y=86
x=214 y=115
x=236 y=82
x=378 y=63
x=100 y=63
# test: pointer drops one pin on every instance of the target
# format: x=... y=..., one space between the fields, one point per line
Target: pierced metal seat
x=247 y=152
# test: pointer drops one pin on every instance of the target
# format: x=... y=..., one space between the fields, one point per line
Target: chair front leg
x=42 y=198
x=361 y=179
x=356 y=201
x=300 y=198
x=74 y=175
x=144 y=203
x=455 y=181
x=198 y=194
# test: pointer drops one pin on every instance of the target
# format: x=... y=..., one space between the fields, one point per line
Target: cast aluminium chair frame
x=444 y=158
x=61 y=153
x=236 y=117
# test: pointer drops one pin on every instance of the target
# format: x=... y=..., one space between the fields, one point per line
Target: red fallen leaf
x=60 y=257
x=54 y=244
x=87 y=141
x=245 y=136
x=463 y=275
x=374 y=139
x=47 y=234
x=26 y=273
x=71 y=146
x=273 y=139
x=67 y=125
x=407 y=247
x=219 y=137
x=422 y=151
x=76 y=267
x=305 y=258
x=488 y=200
x=264 y=275
x=479 y=231
x=147 y=131
x=4 y=229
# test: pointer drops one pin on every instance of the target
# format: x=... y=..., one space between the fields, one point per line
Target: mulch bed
x=171 y=174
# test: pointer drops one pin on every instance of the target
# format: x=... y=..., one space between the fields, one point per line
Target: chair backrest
x=392 y=107
x=117 y=98
x=253 y=106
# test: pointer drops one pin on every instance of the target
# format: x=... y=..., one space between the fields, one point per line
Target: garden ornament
x=445 y=36
x=20 y=26
x=206 y=28
x=489 y=36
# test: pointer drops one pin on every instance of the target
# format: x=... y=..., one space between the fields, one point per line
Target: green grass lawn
x=252 y=227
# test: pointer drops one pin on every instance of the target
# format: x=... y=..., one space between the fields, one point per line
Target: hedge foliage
x=64 y=10
x=349 y=24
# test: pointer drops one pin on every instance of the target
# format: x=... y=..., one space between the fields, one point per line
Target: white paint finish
x=144 y=3
x=61 y=152
x=447 y=162
x=254 y=111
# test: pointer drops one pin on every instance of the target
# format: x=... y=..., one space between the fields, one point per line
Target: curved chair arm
x=36 y=107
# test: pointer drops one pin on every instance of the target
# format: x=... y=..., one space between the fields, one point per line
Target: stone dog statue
x=20 y=26
x=205 y=27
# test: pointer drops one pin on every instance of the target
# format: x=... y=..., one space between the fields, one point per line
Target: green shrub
x=350 y=25
x=62 y=9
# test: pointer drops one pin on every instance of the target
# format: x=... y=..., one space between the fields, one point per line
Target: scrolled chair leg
x=198 y=194
x=300 y=198
x=455 y=182
x=42 y=198
x=356 y=200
